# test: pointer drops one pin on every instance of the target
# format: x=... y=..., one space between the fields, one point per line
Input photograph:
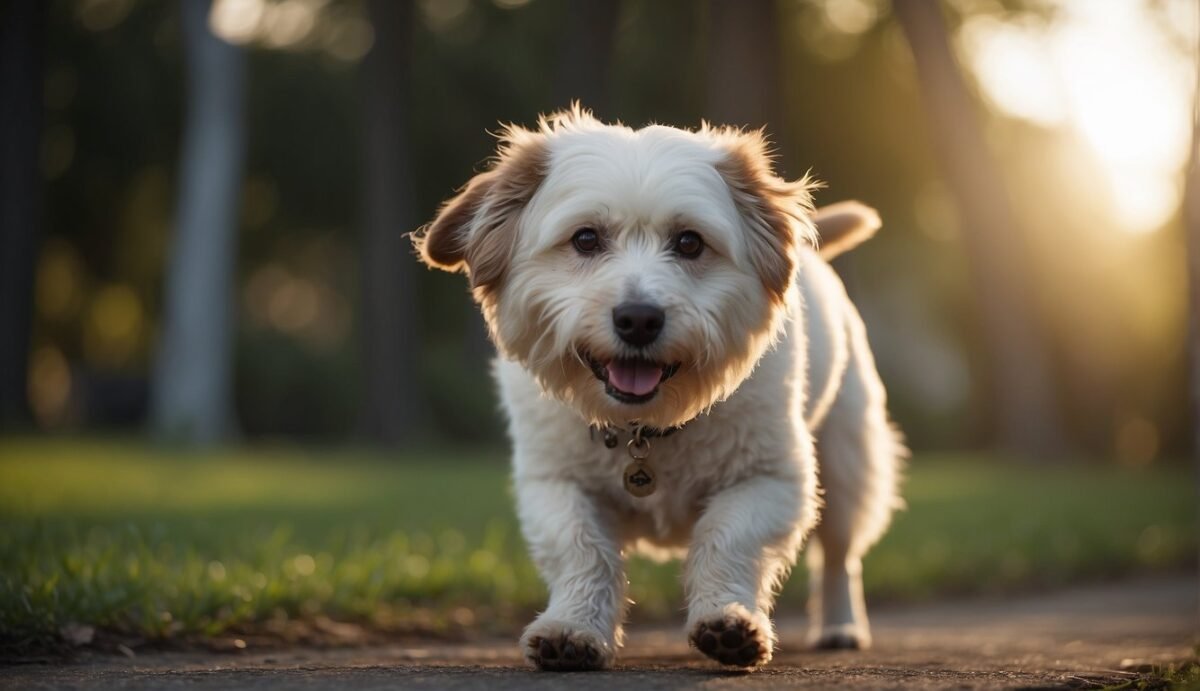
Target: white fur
x=766 y=387
x=639 y=185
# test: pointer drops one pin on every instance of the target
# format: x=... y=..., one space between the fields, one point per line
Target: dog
x=677 y=357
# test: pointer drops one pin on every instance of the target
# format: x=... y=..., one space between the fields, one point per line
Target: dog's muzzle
x=631 y=380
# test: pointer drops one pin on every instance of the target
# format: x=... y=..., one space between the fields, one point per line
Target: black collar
x=612 y=434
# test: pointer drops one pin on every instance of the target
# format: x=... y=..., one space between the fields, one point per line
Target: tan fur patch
x=776 y=210
x=844 y=226
x=441 y=244
x=476 y=230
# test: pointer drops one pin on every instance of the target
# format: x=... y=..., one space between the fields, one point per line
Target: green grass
x=1178 y=676
x=159 y=544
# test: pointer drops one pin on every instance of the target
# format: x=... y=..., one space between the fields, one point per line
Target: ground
x=150 y=544
x=112 y=546
x=1125 y=635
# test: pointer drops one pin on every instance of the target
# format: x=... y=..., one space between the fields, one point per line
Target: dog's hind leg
x=858 y=454
x=575 y=550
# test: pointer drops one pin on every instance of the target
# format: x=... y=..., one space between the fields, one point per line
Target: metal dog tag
x=639 y=479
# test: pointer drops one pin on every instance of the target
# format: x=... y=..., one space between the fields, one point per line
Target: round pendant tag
x=639 y=479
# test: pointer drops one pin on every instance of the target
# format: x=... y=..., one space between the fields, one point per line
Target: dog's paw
x=734 y=636
x=841 y=637
x=559 y=646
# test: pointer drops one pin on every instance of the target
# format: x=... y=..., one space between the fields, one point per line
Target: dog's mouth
x=631 y=380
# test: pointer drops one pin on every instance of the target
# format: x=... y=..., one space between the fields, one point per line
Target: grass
x=160 y=545
x=1181 y=675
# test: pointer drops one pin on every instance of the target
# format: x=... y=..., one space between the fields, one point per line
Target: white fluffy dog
x=676 y=357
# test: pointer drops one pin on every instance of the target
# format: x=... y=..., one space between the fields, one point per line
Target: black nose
x=637 y=323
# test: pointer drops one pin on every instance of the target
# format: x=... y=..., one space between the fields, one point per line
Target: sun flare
x=1118 y=74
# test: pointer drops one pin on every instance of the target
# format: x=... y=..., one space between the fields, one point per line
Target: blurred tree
x=112 y=132
x=192 y=381
x=745 y=86
x=393 y=408
x=1191 y=214
x=22 y=37
x=1027 y=418
x=586 y=58
x=584 y=65
x=743 y=65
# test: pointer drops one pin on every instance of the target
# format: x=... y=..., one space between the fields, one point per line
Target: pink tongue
x=633 y=376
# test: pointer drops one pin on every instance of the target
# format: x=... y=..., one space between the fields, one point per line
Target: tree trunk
x=1027 y=418
x=392 y=410
x=192 y=400
x=22 y=39
x=587 y=54
x=743 y=65
x=1191 y=219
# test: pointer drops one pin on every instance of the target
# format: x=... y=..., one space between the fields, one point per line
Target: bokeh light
x=114 y=330
x=1109 y=71
x=49 y=386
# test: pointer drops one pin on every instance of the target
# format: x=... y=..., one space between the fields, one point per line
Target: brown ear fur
x=777 y=211
x=442 y=243
x=476 y=230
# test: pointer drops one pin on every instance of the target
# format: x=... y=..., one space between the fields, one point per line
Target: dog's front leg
x=575 y=550
x=743 y=545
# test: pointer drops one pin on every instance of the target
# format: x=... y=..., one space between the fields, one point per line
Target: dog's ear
x=476 y=230
x=776 y=212
x=443 y=243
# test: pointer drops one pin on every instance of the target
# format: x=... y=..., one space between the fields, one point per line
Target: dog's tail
x=844 y=226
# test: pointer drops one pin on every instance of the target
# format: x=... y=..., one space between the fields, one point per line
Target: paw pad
x=731 y=642
x=562 y=654
x=839 y=641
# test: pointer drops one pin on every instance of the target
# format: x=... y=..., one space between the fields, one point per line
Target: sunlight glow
x=1111 y=71
x=1009 y=60
x=341 y=30
x=851 y=16
x=289 y=22
x=236 y=21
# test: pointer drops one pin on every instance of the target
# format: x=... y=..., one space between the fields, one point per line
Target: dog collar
x=640 y=479
x=611 y=435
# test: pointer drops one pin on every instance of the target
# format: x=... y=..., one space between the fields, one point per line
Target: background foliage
x=1108 y=302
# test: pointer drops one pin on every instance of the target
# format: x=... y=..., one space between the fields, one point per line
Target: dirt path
x=1081 y=638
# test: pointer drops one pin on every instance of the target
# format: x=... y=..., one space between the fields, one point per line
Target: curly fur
x=775 y=373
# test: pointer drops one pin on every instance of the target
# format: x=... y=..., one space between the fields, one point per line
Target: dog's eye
x=586 y=240
x=688 y=244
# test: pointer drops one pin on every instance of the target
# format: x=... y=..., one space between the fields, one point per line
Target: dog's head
x=637 y=274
